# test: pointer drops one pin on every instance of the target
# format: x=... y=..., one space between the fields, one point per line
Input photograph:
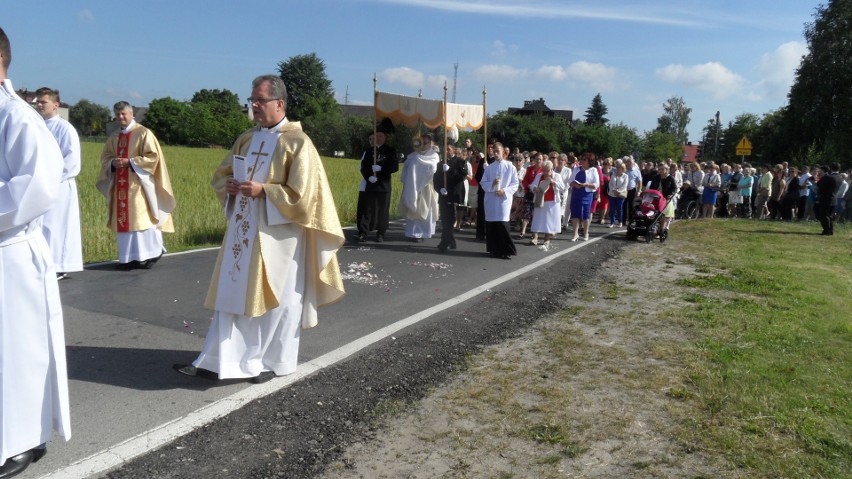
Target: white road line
x=114 y=456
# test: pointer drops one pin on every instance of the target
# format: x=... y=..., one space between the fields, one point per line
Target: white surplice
x=34 y=386
x=498 y=208
x=62 y=222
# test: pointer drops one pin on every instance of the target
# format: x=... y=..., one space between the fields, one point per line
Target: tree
x=658 y=146
x=745 y=124
x=595 y=114
x=228 y=119
x=89 y=118
x=310 y=99
x=820 y=107
x=170 y=120
x=675 y=119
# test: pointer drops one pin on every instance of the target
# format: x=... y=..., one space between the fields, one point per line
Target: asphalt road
x=124 y=330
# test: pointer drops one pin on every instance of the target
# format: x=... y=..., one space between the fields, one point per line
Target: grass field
x=199 y=221
x=770 y=383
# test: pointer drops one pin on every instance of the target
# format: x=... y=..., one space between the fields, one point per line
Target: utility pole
x=346 y=98
x=716 y=141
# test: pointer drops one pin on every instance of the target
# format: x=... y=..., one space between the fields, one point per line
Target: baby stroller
x=646 y=219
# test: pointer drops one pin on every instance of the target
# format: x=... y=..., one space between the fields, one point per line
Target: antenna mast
x=455 y=78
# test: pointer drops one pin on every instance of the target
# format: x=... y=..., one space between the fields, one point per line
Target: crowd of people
x=547 y=193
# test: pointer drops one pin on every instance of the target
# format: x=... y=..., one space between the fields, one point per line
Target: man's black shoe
x=262 y=377
x=17 y=464
x=362 y=238
x=187 y=369
x=380 y=238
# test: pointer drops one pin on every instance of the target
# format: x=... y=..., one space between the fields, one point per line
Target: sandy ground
x=586 y=392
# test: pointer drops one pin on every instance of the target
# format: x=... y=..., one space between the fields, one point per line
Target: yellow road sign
x=744 y=147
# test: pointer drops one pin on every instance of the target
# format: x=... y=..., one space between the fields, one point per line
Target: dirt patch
x=585 y=392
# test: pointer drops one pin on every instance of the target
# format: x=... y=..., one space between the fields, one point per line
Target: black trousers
x=801 y=203
x=448 y=220
x=629 y=206
x=480 y=215
x=824 y=211
x=373 y=211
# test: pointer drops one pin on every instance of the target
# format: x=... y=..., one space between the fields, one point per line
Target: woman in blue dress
x=584 y=181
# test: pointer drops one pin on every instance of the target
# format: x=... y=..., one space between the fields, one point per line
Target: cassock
x=451 y=182
x=34 y=386
x=499 y=175
x=548 y=216
x=278 y=261
x=419 y=201
x=62 y=222
x=139 y=198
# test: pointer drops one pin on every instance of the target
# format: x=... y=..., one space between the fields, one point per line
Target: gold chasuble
x=139 y=196
x=297 y=194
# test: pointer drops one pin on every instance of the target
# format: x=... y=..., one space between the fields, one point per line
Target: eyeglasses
x=261 y=101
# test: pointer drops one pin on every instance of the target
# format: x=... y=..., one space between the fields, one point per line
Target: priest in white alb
x=33 y=372
x=418 y=203
x=136 y=183
x=62 y=222
x=278 y=261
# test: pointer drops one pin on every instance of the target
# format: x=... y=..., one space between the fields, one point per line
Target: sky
x=729 y=56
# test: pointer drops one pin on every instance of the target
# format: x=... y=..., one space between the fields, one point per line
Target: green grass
x=770 y=379
x=198 y=218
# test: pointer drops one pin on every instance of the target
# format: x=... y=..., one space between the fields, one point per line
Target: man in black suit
x=447 y=181
x=378 y=163
x=826 y=188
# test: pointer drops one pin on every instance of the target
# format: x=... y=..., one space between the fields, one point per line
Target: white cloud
x=662 y=14
x=712 y=77
x=438 y=81
x=777 y=70
x=86 y=16
x=404 y=75
x=499 y=73
x=551 y=72
x=501 y=50
x=597 y=76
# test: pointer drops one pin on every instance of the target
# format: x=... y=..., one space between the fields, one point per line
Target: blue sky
x=731 y=56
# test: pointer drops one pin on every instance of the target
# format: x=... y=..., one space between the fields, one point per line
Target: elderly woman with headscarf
x=547 y=218
x=584 y=182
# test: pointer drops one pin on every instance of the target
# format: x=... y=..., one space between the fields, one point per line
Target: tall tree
x=89 y=118
x=310 y=99
x=228 y=119
x=744 y=124
x=658 y=146
x=820 y=107
x=675 y=119
x=596 y=113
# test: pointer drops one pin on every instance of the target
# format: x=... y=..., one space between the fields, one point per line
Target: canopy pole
x=484 y=122
x=446 y=134
x=375 y=116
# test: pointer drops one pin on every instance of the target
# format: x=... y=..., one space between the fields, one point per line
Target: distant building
x=367 y=111
x=537 y=107
x=690 y=153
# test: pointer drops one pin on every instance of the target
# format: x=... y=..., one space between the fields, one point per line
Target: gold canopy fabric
x=411 y=111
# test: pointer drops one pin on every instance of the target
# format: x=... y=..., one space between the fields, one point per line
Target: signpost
x=744 y=147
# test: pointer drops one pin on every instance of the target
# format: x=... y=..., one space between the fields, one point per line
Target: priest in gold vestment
x=278 y=261
x=136 y=183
